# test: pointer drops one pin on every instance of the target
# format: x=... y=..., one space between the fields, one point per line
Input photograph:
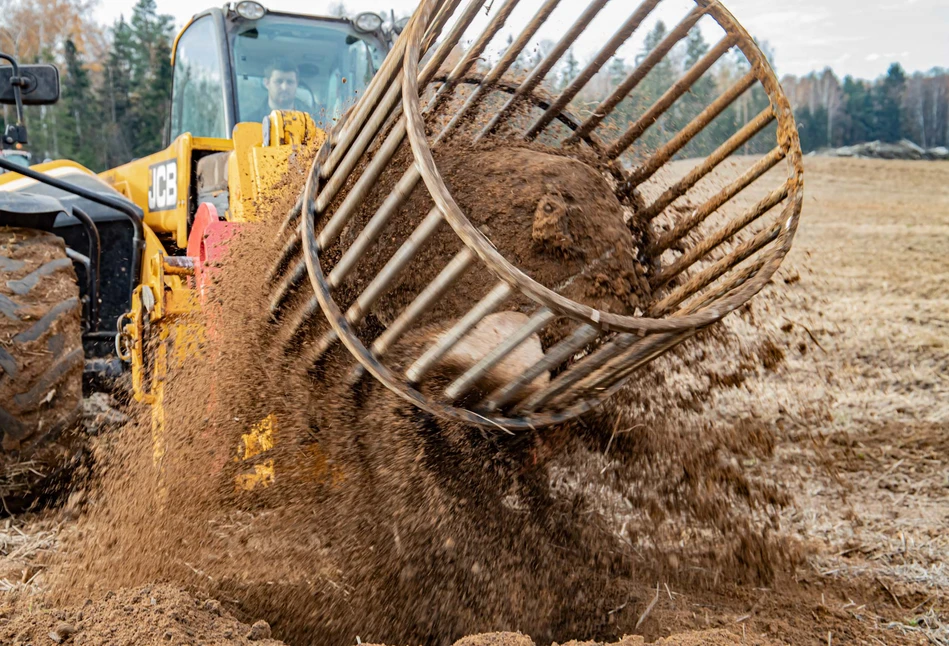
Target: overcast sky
x=859 y=37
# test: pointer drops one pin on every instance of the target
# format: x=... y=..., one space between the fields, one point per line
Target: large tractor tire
x=41 y=361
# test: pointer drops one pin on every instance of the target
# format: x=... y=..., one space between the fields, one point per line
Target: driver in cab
x=281 y=79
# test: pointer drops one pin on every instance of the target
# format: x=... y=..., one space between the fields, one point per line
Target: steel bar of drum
x=454 y=36
x=714 y=272
x=375 y=290
x=467 y=381
x=335 y=183
x=721 y=198
x=510 y=56
x=577 y=372
x=373 y=229
x=292 y=217
x=473 y=54
x=671 y=95
x=635 y=78
x=423 y=302
x=639 y=175
x=325 y=342
x=620 y=367
x=290 y=250
x=378 y=87
x=366 y=182
x=281 y=295
x=643 y=352
x=399 y=261
x=385 y=108
x=709 y=164
x=293 y=331
x=711 y=242
x=417 y=371
x=581 y=337
x=383 y=280
x=591 y=70
x=734 y=281
x=543 y=68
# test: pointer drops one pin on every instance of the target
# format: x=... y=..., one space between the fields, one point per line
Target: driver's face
x=281 y=89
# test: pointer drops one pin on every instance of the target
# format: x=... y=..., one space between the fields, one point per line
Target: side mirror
x=41 y=85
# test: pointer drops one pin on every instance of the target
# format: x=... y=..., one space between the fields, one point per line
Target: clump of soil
x=554 y=217
x=148 y=615
x=335 y=509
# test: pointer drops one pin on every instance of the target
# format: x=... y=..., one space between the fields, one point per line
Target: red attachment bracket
x=207 y=243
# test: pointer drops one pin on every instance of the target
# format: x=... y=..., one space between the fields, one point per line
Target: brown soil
x=148 y=615
x=554 y=217
x=386 y=523
x=398 y=529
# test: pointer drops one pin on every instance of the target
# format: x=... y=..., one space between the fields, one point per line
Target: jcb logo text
x=163 y=186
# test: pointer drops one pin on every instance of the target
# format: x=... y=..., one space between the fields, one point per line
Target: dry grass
x=24 y=548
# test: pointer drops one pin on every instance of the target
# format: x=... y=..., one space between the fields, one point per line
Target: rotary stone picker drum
x=497 y=256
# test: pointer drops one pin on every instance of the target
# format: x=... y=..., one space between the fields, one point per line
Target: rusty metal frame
x=695 y=290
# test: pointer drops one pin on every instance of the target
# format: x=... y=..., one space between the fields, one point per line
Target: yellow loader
x=455 y=72
x=93 y=268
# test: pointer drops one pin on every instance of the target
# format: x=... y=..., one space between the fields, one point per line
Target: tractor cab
x=224 y=58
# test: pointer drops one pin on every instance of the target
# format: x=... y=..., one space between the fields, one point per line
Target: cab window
x=198 y=97
x=332 y=63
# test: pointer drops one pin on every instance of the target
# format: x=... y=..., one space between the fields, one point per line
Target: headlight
x=368 y=22
x=250 y=10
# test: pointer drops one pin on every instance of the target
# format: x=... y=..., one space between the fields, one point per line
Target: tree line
x=831 y=113
x=116 y=89
x=721 y=76
x=115 y=82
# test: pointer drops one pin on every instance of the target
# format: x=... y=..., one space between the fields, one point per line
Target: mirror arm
x=18 y=83
x=16 y=134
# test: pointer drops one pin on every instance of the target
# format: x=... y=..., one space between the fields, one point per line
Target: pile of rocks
x=904 y=149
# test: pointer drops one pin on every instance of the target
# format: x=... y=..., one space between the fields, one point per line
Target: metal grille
x=702 y=265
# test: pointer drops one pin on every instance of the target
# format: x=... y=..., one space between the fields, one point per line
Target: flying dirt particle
x=379 y=515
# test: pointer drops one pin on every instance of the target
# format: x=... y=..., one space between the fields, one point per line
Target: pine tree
x=570 y=71
x=659 y=79
x=618 y=71
x=151 y=77
x=888 y=105
x=338 y=9
x=115 y=95
x=78 y=121
x=858 y=111
x=697 y=98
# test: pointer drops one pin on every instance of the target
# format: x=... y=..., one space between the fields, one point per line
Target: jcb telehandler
x=457 y=72
x=91 y=264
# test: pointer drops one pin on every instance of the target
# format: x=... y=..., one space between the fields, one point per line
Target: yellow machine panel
x=161 y=184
